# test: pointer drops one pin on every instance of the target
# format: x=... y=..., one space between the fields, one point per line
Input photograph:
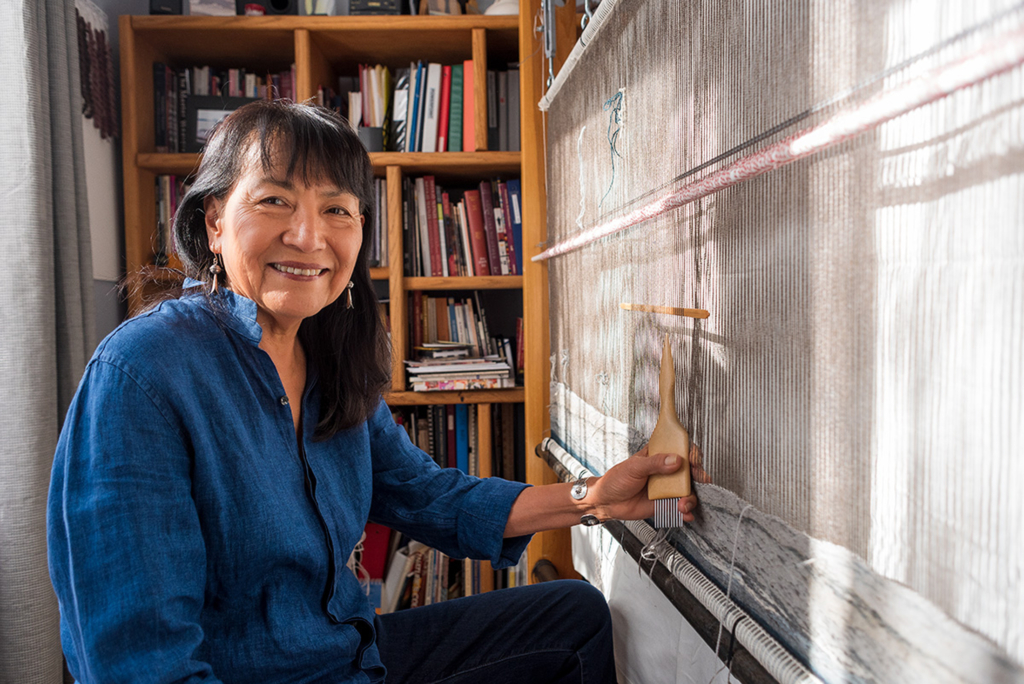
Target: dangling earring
x=215 y=270
x=348 y=303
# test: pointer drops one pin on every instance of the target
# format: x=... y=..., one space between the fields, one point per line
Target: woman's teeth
x=297 y=271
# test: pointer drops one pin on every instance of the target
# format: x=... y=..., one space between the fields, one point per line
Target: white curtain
x=46 y=326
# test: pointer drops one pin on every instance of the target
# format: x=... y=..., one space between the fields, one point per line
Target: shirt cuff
x=483 y=519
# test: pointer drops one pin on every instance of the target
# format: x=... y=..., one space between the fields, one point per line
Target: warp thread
x=728 y=590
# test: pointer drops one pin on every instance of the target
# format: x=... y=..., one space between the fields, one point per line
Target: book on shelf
x=447 y=433
x=468 y=104
x=170 y=190
x=377 y=254
x=173 y=86
x=470 y=232
x=399 y=108
x=454 y=137
x=492 y=110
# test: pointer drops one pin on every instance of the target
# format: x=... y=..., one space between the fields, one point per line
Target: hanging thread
x=614 y=104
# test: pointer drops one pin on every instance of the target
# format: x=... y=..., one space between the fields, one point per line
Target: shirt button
x=284 y=400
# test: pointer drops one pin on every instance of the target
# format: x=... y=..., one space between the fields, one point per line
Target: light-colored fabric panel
x=860 y=374
x=835 y=613
x=46 y=329
x=653 y=642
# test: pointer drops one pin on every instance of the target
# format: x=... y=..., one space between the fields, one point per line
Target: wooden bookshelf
x=503 y=396
x=323 y=48
x=465 y=283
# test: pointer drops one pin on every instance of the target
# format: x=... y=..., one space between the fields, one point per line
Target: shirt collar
x=236 y=311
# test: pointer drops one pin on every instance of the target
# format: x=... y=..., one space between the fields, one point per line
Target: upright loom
x=841 y=186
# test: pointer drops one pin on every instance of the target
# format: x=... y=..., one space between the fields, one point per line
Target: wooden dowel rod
x=672 y=310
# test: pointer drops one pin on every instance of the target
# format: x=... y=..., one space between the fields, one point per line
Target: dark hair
x=348 y=347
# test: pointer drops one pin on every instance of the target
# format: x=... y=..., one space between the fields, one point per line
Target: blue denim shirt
x=193 y=538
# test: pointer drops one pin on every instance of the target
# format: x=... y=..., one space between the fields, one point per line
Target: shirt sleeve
x=462 y=516
x=127 y=558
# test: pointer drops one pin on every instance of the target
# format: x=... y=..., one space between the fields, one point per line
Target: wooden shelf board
x=471 y=165
x=465 y=283
x=378 y=273
x=351 y=23
x=179 y=164
x=505 y=396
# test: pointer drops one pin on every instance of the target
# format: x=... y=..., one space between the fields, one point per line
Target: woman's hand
x=621 y=493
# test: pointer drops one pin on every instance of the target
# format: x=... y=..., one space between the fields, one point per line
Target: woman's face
x=287 y=246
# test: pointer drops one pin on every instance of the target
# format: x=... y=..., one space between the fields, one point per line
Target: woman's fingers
x=697 y=471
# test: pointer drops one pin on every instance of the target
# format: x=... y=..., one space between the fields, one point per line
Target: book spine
x=433 y=236
x=407 y=223
x=503 y=110
x=471 y=327
x=449 y=412
x=417 y=318
x=446 y=99
x=516 y=213
x=513 y=256
x=492 y=111
x=490 y=229
x=513 y=112
x=442 y=233
x=160 y=107
x=431 y=108
x=415 y=81
x=467 y=249
x=171 y=83
x=473 y=447
x=485 y=336
x=499 y=229
x=182 y=122
x=455 y=113
x=477 y=232
x=468 y=105
x=399 y=111
x=507 y=450
x=520 y=353
x=462 y=438
x=451 y=236
x=423 y=226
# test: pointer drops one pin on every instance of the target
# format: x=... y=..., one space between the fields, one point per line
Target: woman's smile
x=300 y=271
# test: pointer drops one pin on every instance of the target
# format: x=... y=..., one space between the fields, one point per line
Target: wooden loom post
x=555 y=546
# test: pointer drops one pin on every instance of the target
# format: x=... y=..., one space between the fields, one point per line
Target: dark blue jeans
x=558 y=632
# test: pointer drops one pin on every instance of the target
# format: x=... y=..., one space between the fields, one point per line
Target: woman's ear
x=211 y=210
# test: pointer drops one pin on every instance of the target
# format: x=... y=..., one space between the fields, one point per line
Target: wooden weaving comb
x=669 y=437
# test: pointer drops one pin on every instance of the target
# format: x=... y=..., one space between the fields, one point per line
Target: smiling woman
x=284 y=189
x=227 y=447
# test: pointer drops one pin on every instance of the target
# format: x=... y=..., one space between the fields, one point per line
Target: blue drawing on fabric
x=614 y=122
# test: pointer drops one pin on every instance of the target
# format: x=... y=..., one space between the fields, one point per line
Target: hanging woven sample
x=839 y=185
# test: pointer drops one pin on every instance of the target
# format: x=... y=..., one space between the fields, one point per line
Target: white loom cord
x=997 y=56
x=775 y=659
x=593 y=26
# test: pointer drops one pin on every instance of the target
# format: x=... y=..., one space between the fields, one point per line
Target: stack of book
x=454 y=349
x=436 y=375
x=173 y=86
x=428 y=107
x=475 y=232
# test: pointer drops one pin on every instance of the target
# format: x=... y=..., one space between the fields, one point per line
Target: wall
x=103 y=182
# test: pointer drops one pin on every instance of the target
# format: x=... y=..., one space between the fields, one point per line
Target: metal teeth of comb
x=666 y=514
